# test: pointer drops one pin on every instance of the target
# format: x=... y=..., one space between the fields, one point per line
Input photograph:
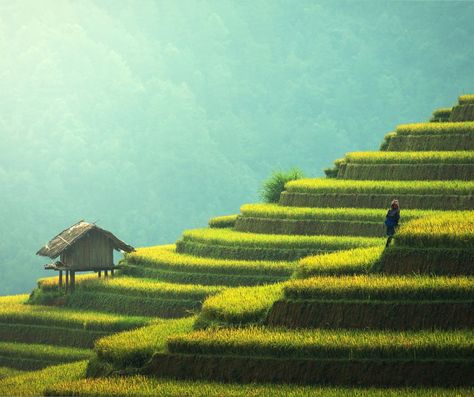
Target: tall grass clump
x=273 y=186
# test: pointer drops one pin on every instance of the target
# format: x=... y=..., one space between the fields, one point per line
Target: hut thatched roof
x=70 y=235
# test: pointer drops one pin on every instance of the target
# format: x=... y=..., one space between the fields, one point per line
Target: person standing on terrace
x=391 y=220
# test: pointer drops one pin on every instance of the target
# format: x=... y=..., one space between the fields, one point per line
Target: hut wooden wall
x=94 y=251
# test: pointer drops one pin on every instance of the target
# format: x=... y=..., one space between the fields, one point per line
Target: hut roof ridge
x=73 y=233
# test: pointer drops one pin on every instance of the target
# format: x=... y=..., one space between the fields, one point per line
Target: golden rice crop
x=375 y=287
x=43 y=352
x=358 y=260
x=12 y=311
x=466 y=99
x=134 y=348
x=436 y=128
x=140 y=287
x=426 y=157
x=240 y=305
x=322 y=344
x=34 y=383
x=451 y=230
x=133 y=386
x=261 y=210
x=228 y=237
x=166 y=257
x=319 y=186
x=442 y=112
x=223 y=221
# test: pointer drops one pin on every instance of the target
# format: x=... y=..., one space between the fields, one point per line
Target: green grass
x=450 y=157
x=321 y=186
x=355 y=261
x=150 y=387
x=223 y=221
x=453 y=230
x=273 y=186
x=466 y=99
x=327 y=344
x=436 y=128
x=375 y=287
x=242 y=305
x=7 y=372
x=34 y=383
x=134 y=348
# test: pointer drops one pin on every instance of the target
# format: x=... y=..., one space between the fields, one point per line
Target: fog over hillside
x=150 y=117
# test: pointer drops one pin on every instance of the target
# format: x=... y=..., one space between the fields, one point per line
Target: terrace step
x=164 y=263
x=377 y=302
x=183 y=277
x=226 y=243
x=398 y=143
x=29 y=357
x=406 y=172
x=126 y=295
x=336 y=193
x=312 y=372
x=310 y=227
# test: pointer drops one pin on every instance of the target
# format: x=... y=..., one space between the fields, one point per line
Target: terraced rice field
x=164 y=263
x=302 y=291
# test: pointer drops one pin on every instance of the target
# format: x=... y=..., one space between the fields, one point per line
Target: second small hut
x=82 y=247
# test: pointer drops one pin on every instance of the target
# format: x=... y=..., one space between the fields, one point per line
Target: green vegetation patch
x=229 y=237
x=436 y=128
x=450 y=157
x=6 y=372
x=242 y=305
x=34 y=383
x=306 y=213
x=453 y=230
x=327 y=344
x=319 y=186
x=150 y=387
x=135 y=348
x=165 y=257
x=355 y=261
x=375 y=287
x=466 y=99
x=14 y=312
x=223 y=221
x=43 y=352
x=139 y=287
x=431 y=142
x=442 y=112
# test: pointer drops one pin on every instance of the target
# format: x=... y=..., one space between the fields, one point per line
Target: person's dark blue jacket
x=392 y=218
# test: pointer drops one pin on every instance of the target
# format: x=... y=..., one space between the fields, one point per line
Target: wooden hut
x=82 y=247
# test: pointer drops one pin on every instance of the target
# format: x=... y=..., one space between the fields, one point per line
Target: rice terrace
x=300 y=294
